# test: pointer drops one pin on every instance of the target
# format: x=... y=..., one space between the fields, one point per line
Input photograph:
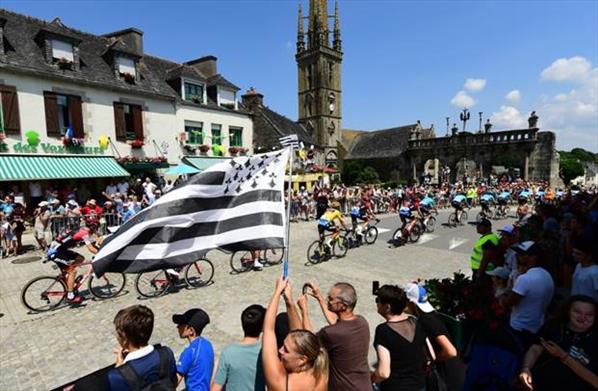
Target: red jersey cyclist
x=68 y=260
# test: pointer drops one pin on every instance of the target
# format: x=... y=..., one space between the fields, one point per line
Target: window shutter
x=10 y=110
x=51 y=115
x=120 y=126
x=76 y=114
x=137 y=121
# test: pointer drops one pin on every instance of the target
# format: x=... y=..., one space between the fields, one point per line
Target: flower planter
x=234 y=151
x=136 y=144
x=128 y=78
x=204 y=148
x=64 y=64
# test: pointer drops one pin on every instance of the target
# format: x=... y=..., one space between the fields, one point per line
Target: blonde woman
x=301 y=363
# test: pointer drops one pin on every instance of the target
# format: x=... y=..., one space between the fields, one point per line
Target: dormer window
x=193 y=91
x=227 y=98
x=62 y=51
x=126 y=69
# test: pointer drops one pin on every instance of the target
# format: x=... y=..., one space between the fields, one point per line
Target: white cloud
x=513 y=97
x=508 y=117
x=462 y=100
x=474 y=85
x=568 y=69
x=572 y=115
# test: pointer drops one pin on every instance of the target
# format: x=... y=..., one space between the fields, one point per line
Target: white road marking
x=456 y=242
x=382 y=230
x=426 y=238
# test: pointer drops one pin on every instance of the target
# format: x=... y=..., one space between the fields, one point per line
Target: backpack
x=136 y=383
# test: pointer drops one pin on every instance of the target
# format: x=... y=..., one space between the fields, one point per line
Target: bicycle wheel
x=315 y=252
x=107 y=286
x=479 y=216
x=340 y=247
x=152 y=284
x=199 y=273
x=430 y=224
x=274 y=256
x=398 y=237
x=415 y=234
x=452 y=220
x=43 y=293
x=241 y=261
x=505 y=212
x=463 y=220
x=371 y=235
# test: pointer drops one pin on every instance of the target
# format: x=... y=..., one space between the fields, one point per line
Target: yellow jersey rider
x=327 y=221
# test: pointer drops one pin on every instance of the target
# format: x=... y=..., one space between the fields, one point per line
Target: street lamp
x=464 y=116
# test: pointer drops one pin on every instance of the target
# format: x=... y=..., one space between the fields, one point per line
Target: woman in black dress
x=400 y=344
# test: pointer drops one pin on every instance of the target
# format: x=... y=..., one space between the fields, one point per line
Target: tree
x=571 y=169
x=351 y=172
x=369 y=175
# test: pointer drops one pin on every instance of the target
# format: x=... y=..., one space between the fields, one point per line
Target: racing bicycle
x=322 y=250
x=409 y=233
x=45 y=293
x=242 y=261
x=156 y=283
x=453 y=220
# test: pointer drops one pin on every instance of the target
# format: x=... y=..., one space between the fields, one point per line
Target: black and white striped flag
x=234 y=205
x=290 y=140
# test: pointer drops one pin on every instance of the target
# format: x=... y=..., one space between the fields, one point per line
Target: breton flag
x=290 y=141
x=234 y=205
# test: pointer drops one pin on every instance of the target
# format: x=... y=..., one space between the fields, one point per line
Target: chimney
x=252 y=99
x=132 y=37
x=206 y=65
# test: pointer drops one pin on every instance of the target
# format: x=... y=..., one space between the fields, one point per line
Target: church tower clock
x=319 y=55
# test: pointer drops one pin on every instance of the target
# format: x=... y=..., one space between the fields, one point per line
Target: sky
x=403 y=60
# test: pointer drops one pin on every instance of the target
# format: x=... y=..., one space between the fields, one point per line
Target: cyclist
x=405 y=212
x=67 y=260
x=486 y=200
x=502 y=199
x=523 y=208
x=459 y=203
x=360 y=212
x=426 y=206
x=327 y=222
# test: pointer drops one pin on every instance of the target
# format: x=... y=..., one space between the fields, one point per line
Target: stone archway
x=465 y=167
x=432 y=170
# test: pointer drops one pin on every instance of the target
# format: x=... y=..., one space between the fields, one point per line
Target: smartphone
x=306 y=288
x=375 y=287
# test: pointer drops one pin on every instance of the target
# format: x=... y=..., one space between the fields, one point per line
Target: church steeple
x=300 y=33
x=319 y=76
x=336 y=43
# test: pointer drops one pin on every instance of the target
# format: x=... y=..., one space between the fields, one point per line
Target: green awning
x=203 y=163
x=36 y=167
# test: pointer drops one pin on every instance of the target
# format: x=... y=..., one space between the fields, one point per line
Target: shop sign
x=53 y=149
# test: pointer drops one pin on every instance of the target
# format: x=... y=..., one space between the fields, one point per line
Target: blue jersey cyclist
x=503 y=197
x=426 y=205
x=486 y=200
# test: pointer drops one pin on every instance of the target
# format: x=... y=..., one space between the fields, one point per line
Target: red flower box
x=204 y=148
x=136 y=144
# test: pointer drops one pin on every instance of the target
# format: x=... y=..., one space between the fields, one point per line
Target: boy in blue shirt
x=196 y=363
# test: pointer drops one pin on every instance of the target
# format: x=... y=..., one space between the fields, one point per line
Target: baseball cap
x=72 y=202
x=418 y=295
x=195 y=317
x=484 y=222
x=529 y=248
x=500 y=272
x=507 y=229
x=43 y=203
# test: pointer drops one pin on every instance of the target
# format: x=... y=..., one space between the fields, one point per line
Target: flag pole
x=285 y=272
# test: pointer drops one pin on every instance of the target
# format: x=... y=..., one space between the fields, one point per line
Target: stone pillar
x=414 y=171
x=481 y=170
x=526 y=168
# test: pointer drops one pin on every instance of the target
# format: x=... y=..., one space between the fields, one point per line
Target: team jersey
x=460 y=198
x=328 y=218
x=524 y=194
x=504 y=195
x=405 y=211
x=358 y=211
x=486 y=197
x=427 y=201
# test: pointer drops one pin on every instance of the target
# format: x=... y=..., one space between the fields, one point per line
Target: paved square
x=42 y=351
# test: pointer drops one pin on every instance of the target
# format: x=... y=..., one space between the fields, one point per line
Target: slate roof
x=20 y=31
x=379 y=144
x=269 y=126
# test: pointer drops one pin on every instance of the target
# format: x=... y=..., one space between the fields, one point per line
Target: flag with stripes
x=234 y=205
x=291 y=140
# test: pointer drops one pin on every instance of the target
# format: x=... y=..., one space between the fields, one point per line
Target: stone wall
x=544 y=160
